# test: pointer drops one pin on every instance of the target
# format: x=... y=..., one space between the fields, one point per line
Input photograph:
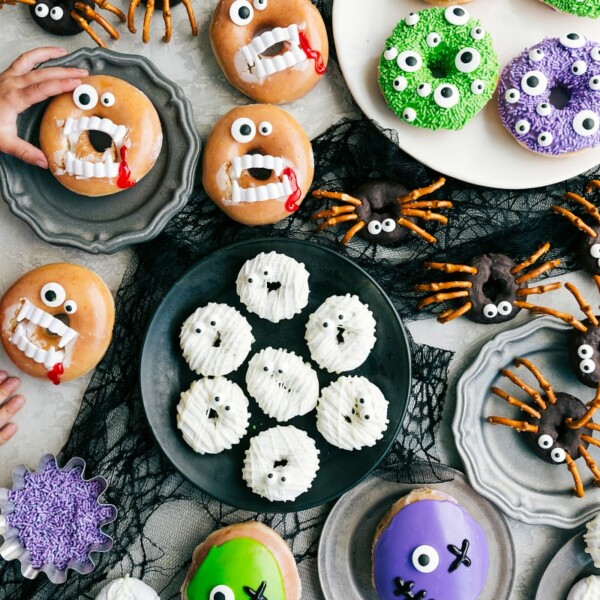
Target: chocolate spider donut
x=438 y=69
x=568 y=66
x=581 y=8
x=584 y=353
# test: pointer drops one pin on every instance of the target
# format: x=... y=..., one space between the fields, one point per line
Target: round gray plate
x=108 y=223
x=345 y=547
x=497 y=460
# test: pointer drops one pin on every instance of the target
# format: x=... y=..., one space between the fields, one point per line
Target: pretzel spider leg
x=531 y=259
x=415 y=194
x=516 y=402
x=166 y=10
x=106 y=5
x=191 y=16
x=441 y=297
x=593 y=184
x=590 y=208
x=131 y=15
x=335 y=220
x=567 y=318
x=334 y=211
x=591 y=464
x=450 y=268
x=352 y=232
x=574 y=220
x=416 y=229
x=542 y=381
x=337 y=196
x=147 y=19
x=86 y=27
x=583 y=305
x=451 y=313
x=521 y=426
x=533 y=394
x=575 y=473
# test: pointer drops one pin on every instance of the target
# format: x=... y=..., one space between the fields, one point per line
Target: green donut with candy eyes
x=581 y=8
x=439 y=68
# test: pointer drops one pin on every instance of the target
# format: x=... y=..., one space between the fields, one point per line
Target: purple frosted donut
x=542 y=78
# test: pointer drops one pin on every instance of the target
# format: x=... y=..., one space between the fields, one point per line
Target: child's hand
x=20 y=88
x=9 y=405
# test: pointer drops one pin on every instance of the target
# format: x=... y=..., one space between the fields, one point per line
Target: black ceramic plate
x=164 y=373
x=108 y=223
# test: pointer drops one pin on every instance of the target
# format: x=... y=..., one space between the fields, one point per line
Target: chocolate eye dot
x=588 y=124
x=367 y=417
x=279 y=370
x=341 y=317
x=217 y=399
x=198 y=330
x=228 y=408
x=266 y=272
x=265 y=369
x=283 y=479
x=325 y=324
x=250 y=280
x=361 y=400
x=270 y=475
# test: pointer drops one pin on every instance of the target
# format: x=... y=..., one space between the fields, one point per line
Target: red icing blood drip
x=55 y=373
x=125 y=180
x=290 y=203
x=320 y=67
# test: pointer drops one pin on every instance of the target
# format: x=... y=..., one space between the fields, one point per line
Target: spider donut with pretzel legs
x=382 y=212
x=70 y=17
x=589 y=244
x=165 y=6
x=491 y=284
x=559 y=427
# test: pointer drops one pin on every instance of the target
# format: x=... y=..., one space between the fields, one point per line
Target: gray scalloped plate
x=498 y=462
x=344 y=562
x=109 y=223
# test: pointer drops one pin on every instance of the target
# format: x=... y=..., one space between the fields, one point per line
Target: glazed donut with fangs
x=215 y=339
x=273 y=285
x=283 y=385
x=274 y=51
x=213 y=415
x=101 y=138
x=246 y=561
x=257 y=165
x=281 y=463
x=57 y=321
x=586 y=589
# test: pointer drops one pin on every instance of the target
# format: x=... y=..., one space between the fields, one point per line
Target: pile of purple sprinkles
x=58 y=516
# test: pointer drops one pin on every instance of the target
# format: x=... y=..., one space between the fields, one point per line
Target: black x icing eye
x=241 y=12
x=85 y=97
x=425 y=559
x=243 y=130
x=222 y=592
x=53 y=294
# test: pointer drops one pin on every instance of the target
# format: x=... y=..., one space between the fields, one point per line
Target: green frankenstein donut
x=439 y=68
x=581 y=8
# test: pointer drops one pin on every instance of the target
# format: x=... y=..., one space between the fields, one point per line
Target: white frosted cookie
x=352 y=413
x=213 y=415
x=341 y=333
x=215 y=339
x=127 y=588
x=586 y=589
x=283 y=385
x=592 y=539
x=281 y=463
x=273 y=285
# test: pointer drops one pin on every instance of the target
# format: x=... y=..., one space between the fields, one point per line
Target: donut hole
x=258 y=173
x=559 y=97
x=63 y=318
x=439 y=69
x=276 y=49
x=100 y=141
x=494 y=289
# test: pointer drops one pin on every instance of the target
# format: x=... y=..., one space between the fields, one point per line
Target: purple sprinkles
x=524 y=95
x=58 y=516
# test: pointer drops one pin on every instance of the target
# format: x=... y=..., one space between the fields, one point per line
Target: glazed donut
x=57 y=321
x=102 y=138
x=238 y=560
x=528 y=86
x=438 y=69
x=258 y=164
x=271 y=50
x=581 y=8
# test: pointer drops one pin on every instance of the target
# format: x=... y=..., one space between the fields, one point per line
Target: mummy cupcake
x=273 y=285
x=281 y=463
x=341 y=333
x=592 y=540
x=213 y=415
x=127 y=588
x=586 y=589
x=215 y=339
x=352 y=413
x=283 y=385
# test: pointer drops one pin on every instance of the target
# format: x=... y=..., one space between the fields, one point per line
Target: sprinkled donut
x=569 y=66
x=581 y=8
x=438 y=69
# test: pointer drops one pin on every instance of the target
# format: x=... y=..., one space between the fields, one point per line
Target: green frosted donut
x=581 y=8
x=439 y=68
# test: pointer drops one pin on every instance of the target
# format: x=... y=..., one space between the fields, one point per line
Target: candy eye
x=85 y=97
x=107 y=99
x=412 y=19
x=579 y=67
x=490 y=311
x=265 y=128
x=409 y=114
x=545 y=139
x=478 y=33
x=534 y=83
x=545 y=441
x=446 y=95
x=536 y=55
x=456 y=15
x=53 y=294
x=558 y=455
x=522 y=126
x=505 y=307
x=587 y=366
x=70 y=307
x=241 y=12
x=595 y=250
x=390 y=53
x=409 y=61
x=572 y=40
x=388 y=225
x=585 y=351
x=477 y=87
x=586 y=123
x=243 y=130
x=595 y=83
x=423 y=90
x=374 y=227
x=222 y=592
x=595 y=53
x=543 y=109
x=433 y=39
x=41 y=10
x=467 y=60
x=400 y=83
x=425 y=559
x=56 y=13
x=512 y=96
x=260 y=4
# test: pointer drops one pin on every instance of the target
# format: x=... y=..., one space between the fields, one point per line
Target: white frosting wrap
x=592 y=540
x=283 y=385
x=274 y=286
x=215 y=339
x=213 y=415
x=127 y=588
x=586 y=589
x=341 y=333
x=281 y=463
x=352 y=413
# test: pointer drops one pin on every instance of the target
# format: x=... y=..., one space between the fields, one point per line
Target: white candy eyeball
x=222 y=592
x=587 y=366
x=467 y=60
x=409 y=114
x=456 y=15
x=390 y=53
x=586 y=123
x=374 y=227
x=477 y=87
x=585 y=351
x=536 y=55
x=423 y=90
x=107 y=99
x=409 y=61
x=545 y=441
x=85 y=97
x=545 y=139
x=388 y=225
x=534 y=83
x=412 y=19
x=558 y=455
x=446 y=95
x=241 y=12
x=478 y=33
x=41 y=10
x=433 y=39
x=512 y=95
x=260 y=4
x=572 y=40
x=505 y=308
x=595 y=250
x=490 y=311
x=243 y=130
x=594 y=83
x=53 y=294
x=522 y=126
x=425 y=559
x=543 y=109
x=595 y=53
x=265 y=128
x=579 y=67
x=70 y=307
x=56 y=13
x=400 y=83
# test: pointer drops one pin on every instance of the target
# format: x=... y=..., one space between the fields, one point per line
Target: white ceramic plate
x=483 y=153
x=498 y=461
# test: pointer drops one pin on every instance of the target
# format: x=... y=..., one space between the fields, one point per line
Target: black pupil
x=459 y=12
x=446 y=92
x=220 y=596
x=245 y=129
x=197 y=330
x=423 y=560
x=50 y=296
x=532 y=81
x=467 y=57
x=588 y=124
x=573 y=36
x=84 y=99
x=244 y=12
x=411 y=61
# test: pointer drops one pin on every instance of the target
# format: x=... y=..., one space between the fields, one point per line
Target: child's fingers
x=42 y=90
x=7 y=432
x=27 y=61
x=40 y=75
x=8 y=387
x=10 y=409
x=26 y=152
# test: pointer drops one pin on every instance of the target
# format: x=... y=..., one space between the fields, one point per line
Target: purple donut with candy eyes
x=534 y=86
